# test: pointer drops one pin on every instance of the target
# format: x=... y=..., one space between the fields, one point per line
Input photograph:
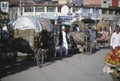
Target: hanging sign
x=5 y=7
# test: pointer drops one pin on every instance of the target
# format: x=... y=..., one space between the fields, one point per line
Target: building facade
x=106 y=3
x=94 y=9
x=92 y=2
x=77 y=2
x=115 y=3
x=118 y=3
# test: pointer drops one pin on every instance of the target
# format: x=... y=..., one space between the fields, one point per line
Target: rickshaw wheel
x=39 y=58
x=14 y=58
x=89 y=48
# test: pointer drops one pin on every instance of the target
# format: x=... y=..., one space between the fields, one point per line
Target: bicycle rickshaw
x=80 y=37
x=91 y=33
x=32 y=36
x=103 y=33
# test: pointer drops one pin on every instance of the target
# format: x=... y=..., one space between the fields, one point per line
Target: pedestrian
x=76 y=28
x=115 y=38
x=63 y=41
x=4 y=28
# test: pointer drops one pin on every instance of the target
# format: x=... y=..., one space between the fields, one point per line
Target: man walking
x=115 y=38
x=63 y=41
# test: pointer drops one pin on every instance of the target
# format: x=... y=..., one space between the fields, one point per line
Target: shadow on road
x=26 y=63
x=19 y=66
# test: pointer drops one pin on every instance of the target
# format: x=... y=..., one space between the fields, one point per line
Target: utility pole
x=20 y=8
x=95 y=15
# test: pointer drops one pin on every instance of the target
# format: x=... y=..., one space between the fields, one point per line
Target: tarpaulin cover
x=24 y=22
x=103 y=24
x=79 y=37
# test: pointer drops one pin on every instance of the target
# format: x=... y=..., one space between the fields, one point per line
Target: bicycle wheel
x=39 y=57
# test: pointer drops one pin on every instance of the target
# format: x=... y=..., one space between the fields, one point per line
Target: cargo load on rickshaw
x=79 y=35
x=34 y=36
x=103 y=32
x=25 y=29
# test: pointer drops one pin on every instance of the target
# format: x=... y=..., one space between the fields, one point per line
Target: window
x=86 y=11
x=59 y=9
x=75 y=9
x=95 y=11
x=104 y=11
x=111 y=12
x=117 y=12
x=50 y=9
x=28 y=9
x=104 y=2
x=77 y=2
x=39 y=9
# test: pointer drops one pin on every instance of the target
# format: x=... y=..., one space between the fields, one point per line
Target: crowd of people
x=113 y=39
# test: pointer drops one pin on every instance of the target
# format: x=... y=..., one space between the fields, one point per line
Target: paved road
x=79 y=67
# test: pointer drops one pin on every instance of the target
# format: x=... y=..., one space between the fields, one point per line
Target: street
x=79 y=67
x=32 y=33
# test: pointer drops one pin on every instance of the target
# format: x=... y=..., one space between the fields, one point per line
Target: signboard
x=65 y=17
x=64 y=9
x=5 y=7
x=48 y=15
x=77 y=2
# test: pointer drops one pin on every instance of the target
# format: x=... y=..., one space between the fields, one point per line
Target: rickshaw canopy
x=24 y=22
x=88 y=20
x=46 y=24
x=103 y=24
x=80 y=24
